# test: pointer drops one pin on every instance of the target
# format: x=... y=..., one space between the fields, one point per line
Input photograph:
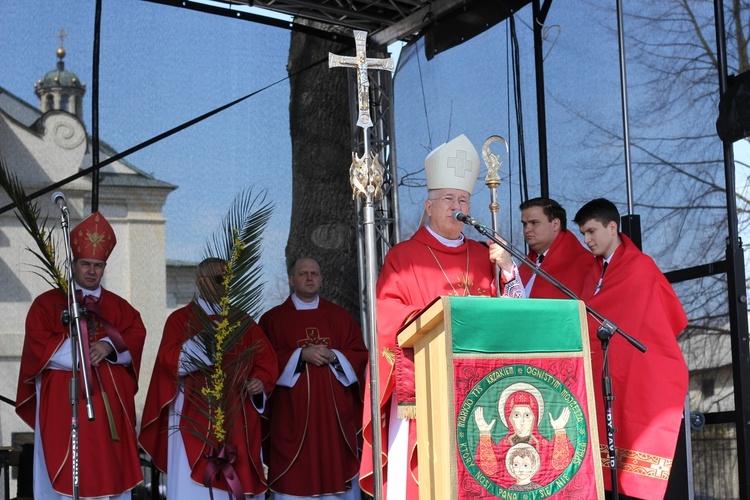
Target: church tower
x=61 y=89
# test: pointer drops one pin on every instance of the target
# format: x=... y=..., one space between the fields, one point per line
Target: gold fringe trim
x=408 y=411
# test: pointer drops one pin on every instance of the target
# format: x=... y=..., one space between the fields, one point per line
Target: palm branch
x=28 y=213
x=238 y=243
x=245 y=222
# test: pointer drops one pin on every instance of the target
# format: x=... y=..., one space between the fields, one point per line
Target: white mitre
x=453 y=165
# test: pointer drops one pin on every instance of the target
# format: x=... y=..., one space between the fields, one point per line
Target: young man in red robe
x=173 y=419
x=315 y=412
x=551 y=247
x=108 y=461
x=437 y=260
x=649 y=389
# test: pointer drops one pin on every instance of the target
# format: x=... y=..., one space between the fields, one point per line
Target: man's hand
x=499 y=256
x=317 y=355
x=254 y=386
x=98 y=351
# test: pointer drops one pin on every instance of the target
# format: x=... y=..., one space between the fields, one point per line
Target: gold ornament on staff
x=492 y=180
x=366 y=176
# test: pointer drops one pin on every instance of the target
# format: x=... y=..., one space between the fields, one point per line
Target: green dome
x=60 y=77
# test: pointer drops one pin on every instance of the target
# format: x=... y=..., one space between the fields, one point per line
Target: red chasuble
x=314 y=425
x=107 y=466
x=567 y=261
x=415 y=272
x=649 y=388
x=245 y=426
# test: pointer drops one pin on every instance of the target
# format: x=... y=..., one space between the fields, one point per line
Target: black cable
x=519 y=109
x=154 y=140
x=95 y=107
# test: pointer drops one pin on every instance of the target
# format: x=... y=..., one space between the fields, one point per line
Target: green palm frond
x=221 y=379
x=28 y=213
x=245 y=221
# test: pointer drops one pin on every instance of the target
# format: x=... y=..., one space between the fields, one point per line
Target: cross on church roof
x=61 y=36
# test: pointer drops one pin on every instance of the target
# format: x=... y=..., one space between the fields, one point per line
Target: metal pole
x=366 y=177
x=736 y=291
x=368 y=222
x=625 y=120
x=541 y=112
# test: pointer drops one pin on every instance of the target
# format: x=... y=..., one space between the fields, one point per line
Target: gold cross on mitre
x=362 y=63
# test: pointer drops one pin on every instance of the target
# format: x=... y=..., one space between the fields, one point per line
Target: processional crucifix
x=366 y=177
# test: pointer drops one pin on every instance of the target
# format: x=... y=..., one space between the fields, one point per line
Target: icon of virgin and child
x=523 y=459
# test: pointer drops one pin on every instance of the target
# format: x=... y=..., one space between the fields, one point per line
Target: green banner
x=503 y=325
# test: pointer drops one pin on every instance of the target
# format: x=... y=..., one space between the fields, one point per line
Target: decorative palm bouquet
x=222 y=363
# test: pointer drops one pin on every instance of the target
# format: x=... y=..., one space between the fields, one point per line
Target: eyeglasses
x=450 y=200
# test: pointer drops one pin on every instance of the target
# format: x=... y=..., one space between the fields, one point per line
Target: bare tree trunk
x=323 y=217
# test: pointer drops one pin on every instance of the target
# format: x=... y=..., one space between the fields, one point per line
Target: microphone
x=59 y=199
x=465 y=218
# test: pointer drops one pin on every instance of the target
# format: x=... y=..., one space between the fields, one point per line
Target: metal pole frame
x=382 y=142
x=736 y=291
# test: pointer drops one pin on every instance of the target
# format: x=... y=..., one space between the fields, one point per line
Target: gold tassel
x=407 y=411
x=389 y=355
x=110 y=418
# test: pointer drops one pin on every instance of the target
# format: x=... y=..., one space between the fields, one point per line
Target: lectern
x=504 y=399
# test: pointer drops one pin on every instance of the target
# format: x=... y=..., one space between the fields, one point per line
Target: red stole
x=567 y=261
x=649 y=388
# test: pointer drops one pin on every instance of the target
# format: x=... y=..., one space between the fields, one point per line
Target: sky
x=162 y=66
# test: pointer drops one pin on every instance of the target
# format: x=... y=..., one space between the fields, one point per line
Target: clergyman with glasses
x=437 y=260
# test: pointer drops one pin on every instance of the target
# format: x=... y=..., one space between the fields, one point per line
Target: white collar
x=301 y=305
x=446 y=241
x=208 y=307
x=96 y=293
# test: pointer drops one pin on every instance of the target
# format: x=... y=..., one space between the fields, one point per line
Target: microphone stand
x=72 y=319
x=605 y=332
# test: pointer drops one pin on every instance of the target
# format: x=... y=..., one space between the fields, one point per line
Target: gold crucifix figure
x=362 y=63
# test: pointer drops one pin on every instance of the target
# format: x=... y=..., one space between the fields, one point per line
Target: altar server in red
x=437 y=260
x=174 y=424
x=626 y=287
x=315 y=413
x=109 y=465
x=553 y=248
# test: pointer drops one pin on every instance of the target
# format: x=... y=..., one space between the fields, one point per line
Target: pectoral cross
x=362 y=63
